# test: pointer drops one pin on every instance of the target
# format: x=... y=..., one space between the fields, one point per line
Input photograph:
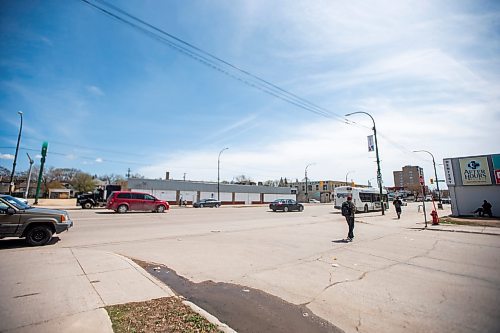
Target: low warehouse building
x=175 y=190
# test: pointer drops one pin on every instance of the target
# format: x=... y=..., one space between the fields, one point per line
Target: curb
x=459 y=231
x=211 y=318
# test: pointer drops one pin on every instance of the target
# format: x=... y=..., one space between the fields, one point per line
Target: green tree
x=83 y=182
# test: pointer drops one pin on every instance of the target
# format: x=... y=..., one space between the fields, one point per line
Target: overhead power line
x=212 y=61
x=223 y=66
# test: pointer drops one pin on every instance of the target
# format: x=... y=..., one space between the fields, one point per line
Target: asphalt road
x=392 y=278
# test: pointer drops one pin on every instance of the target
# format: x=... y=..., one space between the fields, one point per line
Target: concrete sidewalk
x=472 y=229
x=65 y=290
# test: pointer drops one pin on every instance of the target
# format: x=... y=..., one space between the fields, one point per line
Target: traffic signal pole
x=40 y=174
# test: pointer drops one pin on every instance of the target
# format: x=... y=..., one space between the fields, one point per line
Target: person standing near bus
x=348 y=209
x=397 y=204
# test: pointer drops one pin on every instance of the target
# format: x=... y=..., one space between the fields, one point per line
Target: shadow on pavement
x=17 y=243
x=340 y=241
x=243 y=308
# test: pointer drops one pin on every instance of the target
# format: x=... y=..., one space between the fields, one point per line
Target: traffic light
x=432 y=181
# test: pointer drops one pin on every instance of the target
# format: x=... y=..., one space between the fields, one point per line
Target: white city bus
x=365 y=199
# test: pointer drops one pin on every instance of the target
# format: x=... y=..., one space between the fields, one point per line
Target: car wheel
x=366 y=209
x=122 y=209
x=217 y=205
x=201 y=205
x=301 y=208
x=274 y=209
x=39 y=235
x=160 y=209
x=87 y=205
x=286 y=209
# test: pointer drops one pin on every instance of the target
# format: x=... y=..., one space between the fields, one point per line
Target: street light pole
x=435 y=174
x=29 y=177
x=379 y=174
x=11 y=184
x=218 y=173
x=346 y=176
x=305 y=172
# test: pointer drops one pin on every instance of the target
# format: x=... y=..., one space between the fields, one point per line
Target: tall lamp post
x=11 y=184
x=347 y=175
x=379 y=174
x=305 y=173
x=29 y=177
x=218 y=173
x=440 y=205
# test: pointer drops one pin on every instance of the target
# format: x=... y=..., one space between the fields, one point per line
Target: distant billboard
x=475 y=171
x=496 y=167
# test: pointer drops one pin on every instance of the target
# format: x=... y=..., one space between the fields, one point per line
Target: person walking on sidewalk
x=397 y=204
x=348 y=209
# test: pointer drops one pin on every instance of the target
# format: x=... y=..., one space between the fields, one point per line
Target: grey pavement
x=64 y=290
x=394 y=277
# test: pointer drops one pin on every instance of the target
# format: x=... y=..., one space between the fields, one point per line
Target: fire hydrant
x=435 y=218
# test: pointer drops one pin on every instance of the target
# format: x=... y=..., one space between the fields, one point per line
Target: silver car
x=37 y=225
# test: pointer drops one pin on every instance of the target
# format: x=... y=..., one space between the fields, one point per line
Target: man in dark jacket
x=397 y=204
x=348 y=210
x=487 y=208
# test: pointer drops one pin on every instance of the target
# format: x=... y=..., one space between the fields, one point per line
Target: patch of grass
x=166 y=314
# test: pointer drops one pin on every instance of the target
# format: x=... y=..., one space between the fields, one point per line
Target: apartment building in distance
x=408 y=178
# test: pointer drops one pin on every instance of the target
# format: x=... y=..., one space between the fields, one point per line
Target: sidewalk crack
x=88 y=279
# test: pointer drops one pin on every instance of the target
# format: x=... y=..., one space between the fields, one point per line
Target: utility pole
x=440 y=204
x=128 y=173
x=218 y=173
x=11 y=184
x=305 y=172
x=40 y=174
x=379 y=174
x=184 y=176
x=29 y=177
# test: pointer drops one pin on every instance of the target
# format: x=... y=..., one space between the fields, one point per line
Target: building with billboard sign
x=471 y=180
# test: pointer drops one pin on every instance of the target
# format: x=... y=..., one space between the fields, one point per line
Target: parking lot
x=394 y=276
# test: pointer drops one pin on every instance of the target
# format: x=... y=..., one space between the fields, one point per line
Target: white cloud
x=6 y=156
x=95 y=90
x=99 y=160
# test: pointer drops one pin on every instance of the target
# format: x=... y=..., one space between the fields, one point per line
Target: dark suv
x=122 y=202
x=37 y=225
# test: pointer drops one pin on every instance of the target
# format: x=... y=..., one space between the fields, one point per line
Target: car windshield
x=16 y=202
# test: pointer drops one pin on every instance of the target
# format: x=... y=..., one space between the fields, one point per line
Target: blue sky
x=107 y=97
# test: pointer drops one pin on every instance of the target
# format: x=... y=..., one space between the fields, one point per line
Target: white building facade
x=229 y=194
x=471 y=180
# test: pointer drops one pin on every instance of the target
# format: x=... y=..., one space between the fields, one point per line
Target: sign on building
x=496 y=167
x=475 y=171
x=448 y=171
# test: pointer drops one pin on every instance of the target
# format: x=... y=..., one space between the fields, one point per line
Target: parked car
x=446 y=200
x=286 y=205
x=122 y=202
x=37 y=225
x=207 y=203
